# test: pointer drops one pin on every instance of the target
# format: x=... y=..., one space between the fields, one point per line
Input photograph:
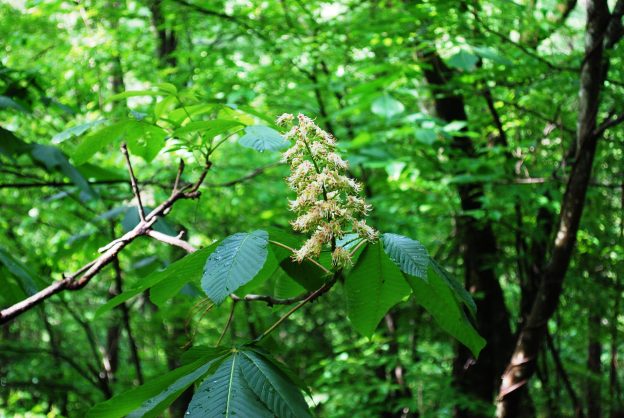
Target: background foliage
x=364 y=69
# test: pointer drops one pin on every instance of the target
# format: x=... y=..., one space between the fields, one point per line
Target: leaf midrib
x=229 y=396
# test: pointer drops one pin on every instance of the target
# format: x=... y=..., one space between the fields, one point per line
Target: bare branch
x=81 y=277
x=175 y=241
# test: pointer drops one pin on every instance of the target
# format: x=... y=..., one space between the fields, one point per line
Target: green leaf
x=151 y=399
x=463 y=60
x=8 y=103
x=226 y=394
x=387 y=106
x=94 y=142
x=189 y=271
x=235 y=262
x=183 y=270
x=373 y=287
x=167 y=88
x=438 y=299
x=11 y=145
x=306 y=273
x=26 y=279
x=208 y=128
x=144 y=139
x=263 y=138
x=75 y=131
x=426 y=136
x=460 y=291
x=54 y=159
x=410 y=255
x=272 y=386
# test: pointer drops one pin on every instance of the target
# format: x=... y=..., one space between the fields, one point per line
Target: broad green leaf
x=226 y=394
x=8 y=103
x=235 y=262
x=260 y=283
x=263 y=138
x=208 y=128
x=460 y=291
x=144 y=139
x=306 y=273
x=426 y=136
x=285 y=286
x=438 y=299
x=189 y=271
x=11 y=145
x=274 y=388
x=26 y=279
x=410 y=255
x=54 y=159
x=151 y=399
x=75 y=131
x=94 y=142
x=373 y=287
x=463 y=60
x=387 y=106
x=183 y=269
x=167 y=88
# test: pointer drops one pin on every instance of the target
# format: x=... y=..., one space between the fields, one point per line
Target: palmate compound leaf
x=150 y=399
x=235 y=262
x=410 y=255
x=373 y=287
x=248 y=384
x=439 y=299
x=225 y=394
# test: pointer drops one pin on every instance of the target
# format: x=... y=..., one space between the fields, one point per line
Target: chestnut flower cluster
x=328 y=204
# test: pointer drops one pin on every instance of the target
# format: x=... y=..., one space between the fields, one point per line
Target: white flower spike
x=328 y=204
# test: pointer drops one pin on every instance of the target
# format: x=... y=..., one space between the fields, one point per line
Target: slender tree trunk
x=477 y=378
x=522 y=364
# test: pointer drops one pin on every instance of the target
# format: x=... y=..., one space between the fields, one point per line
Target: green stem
x=318 y=292
x=227 y=324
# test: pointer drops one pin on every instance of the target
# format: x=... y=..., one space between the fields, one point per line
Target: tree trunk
x=522 y=364
x=477 y=378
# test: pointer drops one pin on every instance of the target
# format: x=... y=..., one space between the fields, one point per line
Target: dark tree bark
x=523 y=360
x=594 y=349
x=167 y=39
x=477 y=378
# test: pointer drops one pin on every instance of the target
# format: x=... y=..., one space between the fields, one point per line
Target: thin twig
x=227 y=324
x=318 y=292
x=133 y=181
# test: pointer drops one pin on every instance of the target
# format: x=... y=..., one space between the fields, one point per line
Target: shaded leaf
x=373 y=287
x=438 y=299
